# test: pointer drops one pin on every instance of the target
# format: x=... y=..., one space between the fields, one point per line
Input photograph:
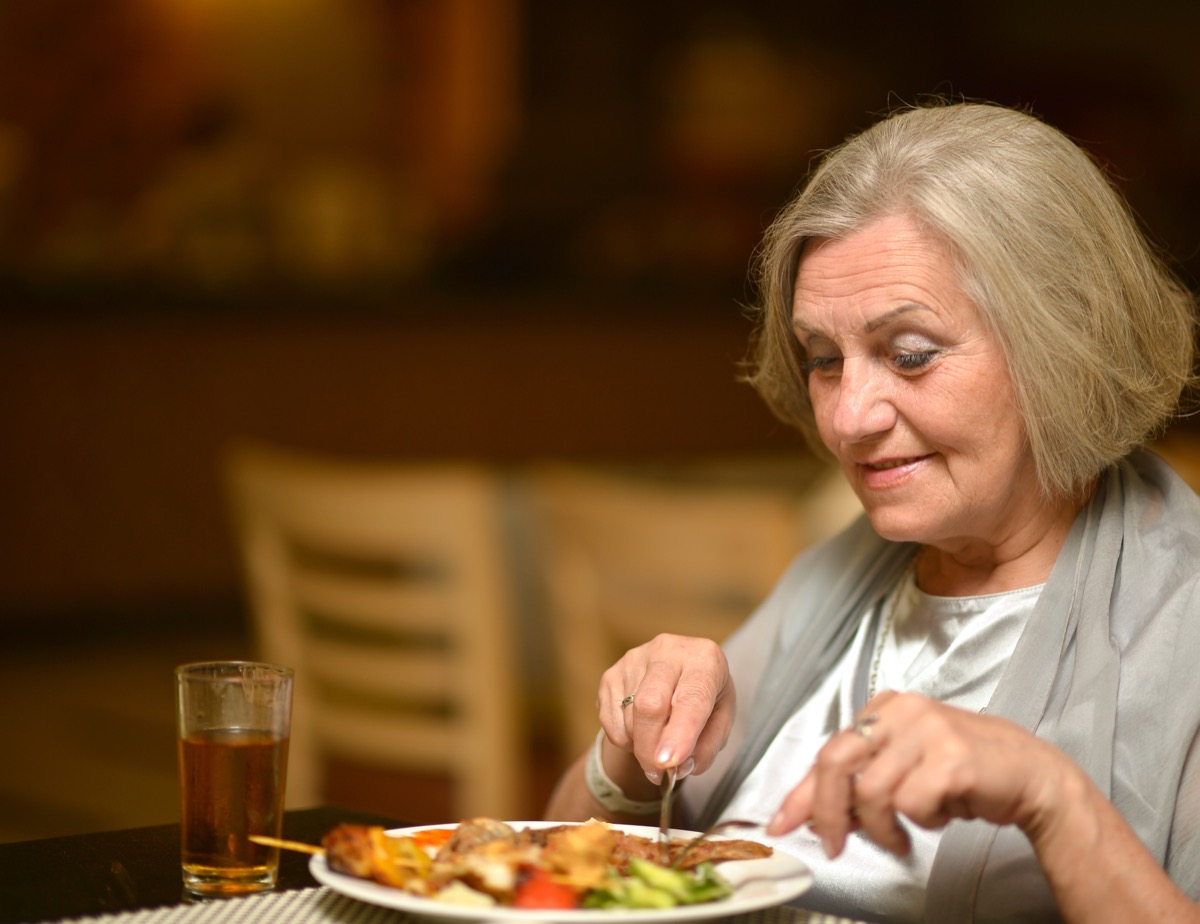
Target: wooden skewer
x=286 y=845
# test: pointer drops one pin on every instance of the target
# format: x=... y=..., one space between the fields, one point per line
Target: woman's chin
x=895 y=526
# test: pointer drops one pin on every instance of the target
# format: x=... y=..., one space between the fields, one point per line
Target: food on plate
x=590 y=865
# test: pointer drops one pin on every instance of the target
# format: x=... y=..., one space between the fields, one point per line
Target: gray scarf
x=1105 y=669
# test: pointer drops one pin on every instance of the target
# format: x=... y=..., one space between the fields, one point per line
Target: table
x=135 y=874
x=88 y=874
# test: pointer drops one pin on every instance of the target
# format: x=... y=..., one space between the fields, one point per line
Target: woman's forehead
x=885 y=264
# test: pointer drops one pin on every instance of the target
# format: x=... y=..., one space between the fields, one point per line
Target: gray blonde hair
x=1096 y=330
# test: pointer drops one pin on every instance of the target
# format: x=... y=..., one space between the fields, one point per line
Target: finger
x=796 y=808
x=669 y=701
x=716 y=733
x=702 y=711
x=946 y=764
x=684 y=703
x=934 y=762
x=875 y=792
x=615 y=687
x=946 y=782
x=647 y=715
x=833 y=811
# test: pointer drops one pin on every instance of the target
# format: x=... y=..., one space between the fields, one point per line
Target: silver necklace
x=903 y=594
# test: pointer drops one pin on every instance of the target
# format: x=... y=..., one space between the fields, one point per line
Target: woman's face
x=911 y=391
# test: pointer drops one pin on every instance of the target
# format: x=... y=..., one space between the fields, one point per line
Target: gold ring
x=627 y=700
x=862 y=725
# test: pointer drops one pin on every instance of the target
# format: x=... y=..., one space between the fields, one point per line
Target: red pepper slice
x=536 y=888
x=432 y=837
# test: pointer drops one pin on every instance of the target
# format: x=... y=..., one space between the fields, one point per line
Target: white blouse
x=952 y=649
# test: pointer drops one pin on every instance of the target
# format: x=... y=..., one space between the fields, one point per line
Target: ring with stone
x=862 y=725
x=627 y=700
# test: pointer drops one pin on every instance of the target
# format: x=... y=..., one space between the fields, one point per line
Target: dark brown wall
x=113 y=430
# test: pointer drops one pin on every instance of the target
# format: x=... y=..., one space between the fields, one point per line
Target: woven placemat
x=324 y=906
x=302 y=906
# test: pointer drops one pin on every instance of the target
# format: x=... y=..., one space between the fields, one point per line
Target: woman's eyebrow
x=888 y=316
x=799 y=326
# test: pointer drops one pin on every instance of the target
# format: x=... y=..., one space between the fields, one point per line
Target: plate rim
x=787 y=889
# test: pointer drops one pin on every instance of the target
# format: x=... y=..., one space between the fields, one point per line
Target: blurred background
x=419 y=229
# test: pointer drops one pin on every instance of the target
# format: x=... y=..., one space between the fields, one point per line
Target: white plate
x=759 y=883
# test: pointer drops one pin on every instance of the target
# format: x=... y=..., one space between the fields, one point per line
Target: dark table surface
x=64 y=877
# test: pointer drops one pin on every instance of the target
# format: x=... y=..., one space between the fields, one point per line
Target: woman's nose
x=863 y=405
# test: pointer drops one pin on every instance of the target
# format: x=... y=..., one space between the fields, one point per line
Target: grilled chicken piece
x=367 y=852
x=717 y=851
x=349 y=850
x=472 y=834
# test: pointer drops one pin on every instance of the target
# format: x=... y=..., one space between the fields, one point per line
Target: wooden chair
x=688 y=549
x=386 y=587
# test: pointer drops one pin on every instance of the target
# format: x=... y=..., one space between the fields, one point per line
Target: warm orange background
x=498 y=228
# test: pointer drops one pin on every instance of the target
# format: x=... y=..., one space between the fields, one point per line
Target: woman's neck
x=1024 y=559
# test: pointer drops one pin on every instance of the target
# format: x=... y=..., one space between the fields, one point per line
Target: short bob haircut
x=1096 y=330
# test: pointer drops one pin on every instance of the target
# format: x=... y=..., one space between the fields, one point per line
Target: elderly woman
x=980 y=702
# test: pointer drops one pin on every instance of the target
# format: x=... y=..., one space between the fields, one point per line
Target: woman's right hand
x=682 y=707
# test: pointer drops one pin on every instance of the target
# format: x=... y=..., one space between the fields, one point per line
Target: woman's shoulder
x=1160 y=502
x=1160 y=548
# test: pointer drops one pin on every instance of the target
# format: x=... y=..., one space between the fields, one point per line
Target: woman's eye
x=819 y=364
x=911 y=362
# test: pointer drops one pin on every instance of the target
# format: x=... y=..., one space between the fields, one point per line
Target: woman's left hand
x=909 y=755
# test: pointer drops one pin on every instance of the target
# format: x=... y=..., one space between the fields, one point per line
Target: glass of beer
x=234 y=718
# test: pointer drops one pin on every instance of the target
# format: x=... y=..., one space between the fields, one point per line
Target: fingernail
x=665 y=755
x=685 y=769
x=654 y=776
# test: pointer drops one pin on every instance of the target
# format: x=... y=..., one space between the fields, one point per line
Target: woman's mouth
x=885 y=474
x=891 y=463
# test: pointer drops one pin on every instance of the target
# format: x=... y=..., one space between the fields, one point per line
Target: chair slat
x=370 y=603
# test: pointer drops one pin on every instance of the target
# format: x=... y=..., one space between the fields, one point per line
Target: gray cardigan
x=1107 y=669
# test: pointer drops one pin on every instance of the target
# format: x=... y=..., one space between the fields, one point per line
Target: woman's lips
x=891 y=463
x=888 y=471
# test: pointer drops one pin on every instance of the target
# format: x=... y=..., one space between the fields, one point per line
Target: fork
x=720 y=827
x=664 y=813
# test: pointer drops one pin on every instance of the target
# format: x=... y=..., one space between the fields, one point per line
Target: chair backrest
x=628 y=554
x=385 y=586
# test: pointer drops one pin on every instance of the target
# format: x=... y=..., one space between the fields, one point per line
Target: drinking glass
x=234 y=719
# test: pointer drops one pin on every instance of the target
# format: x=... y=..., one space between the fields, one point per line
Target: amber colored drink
x=231 y=785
